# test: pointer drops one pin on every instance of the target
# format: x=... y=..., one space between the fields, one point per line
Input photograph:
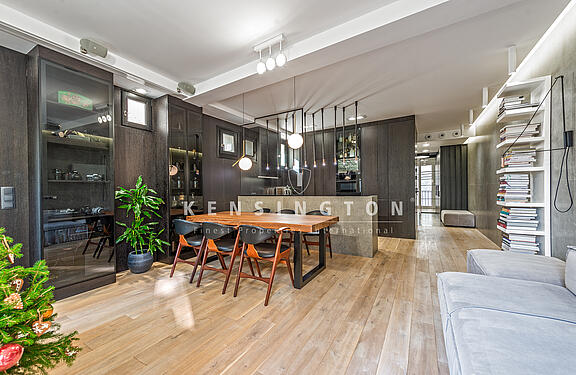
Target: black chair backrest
x=253 y=235
x=264 y=210
x=184 y=227
x=318 y=213
x=287 y=211
x=214 y=231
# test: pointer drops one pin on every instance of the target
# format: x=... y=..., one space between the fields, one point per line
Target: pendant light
x=286 y=136
x=245 y=163
x=356 y=131
x=295 y=141
x=267 y=146
x=314 y=138
x=322 y=122
x=343 y=132
x=304 y=123
x=335 y=138
x=278 y=147
x=281 y=58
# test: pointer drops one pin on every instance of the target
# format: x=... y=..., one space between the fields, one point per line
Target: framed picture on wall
x=228 y=143
x=136 y=111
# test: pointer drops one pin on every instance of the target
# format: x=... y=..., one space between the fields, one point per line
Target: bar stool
x=254 y=247
x=317 y=234
x=215 y=241
x=187 y=237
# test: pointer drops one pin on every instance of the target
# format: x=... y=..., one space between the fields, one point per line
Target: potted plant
x=141 y=234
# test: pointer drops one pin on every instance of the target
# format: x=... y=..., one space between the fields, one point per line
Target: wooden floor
x=360 y=316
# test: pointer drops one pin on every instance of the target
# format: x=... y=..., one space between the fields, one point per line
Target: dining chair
x=217 y=240
x=254 y=246
x=305 y=236
x=188 y=236
x=290 y=236
x=263 y=210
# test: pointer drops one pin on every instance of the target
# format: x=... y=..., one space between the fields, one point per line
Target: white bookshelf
x=540 y=188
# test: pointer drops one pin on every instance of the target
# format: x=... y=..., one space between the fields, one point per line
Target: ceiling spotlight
x=104 y=119
x=141 y=91
x=295 y=141
x=281 y=58
x=426 y=144
x=425 y=150
x=360 y=117
x=99 y=119
x=109 y=117
x=260 y=67
x=245 y=163
x=270 y=63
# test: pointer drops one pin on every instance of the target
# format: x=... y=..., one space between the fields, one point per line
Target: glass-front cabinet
x=76 y=172
x=348 y=178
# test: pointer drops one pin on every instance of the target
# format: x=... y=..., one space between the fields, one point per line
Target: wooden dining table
x=297 y=224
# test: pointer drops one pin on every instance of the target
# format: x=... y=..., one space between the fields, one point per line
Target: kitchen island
x=356 y=232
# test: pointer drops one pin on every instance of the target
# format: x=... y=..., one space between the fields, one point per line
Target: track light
x=270 y=62
x=281 y=58
x=109 y=117
x=260 y=67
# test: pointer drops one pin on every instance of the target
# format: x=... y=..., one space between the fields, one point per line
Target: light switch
x=7 y=200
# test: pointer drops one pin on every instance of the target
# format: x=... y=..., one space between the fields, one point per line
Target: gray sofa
x=512 y=315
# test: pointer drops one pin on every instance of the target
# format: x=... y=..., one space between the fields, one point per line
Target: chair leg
x=287 y=261
x=329 y=244
x=222 y=263
x=204 y=258
x=198 y=257
x=111 y=254
x=239 y=272
x=258 y=267
x=270 y=281
x=176 y=259
x=250 y=265
x=232 y=258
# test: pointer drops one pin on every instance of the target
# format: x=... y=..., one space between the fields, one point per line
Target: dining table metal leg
x=302 y=279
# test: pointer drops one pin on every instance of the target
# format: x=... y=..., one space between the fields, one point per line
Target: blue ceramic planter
x=140 y=263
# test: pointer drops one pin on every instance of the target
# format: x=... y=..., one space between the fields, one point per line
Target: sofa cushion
x=571 y=270
x=496 y=325
x=496 y=342
x=466 y=290
x=458 y=218
x=516 y=266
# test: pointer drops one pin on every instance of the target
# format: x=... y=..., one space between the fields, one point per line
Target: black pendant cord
x=335 y=137
x=356 y=131
x=323 y=154
x=267 y=146
x=567 y=145
x=343 y=132
x=304 y=121
x=286 y=134
x=314 y=139
x=278 y=147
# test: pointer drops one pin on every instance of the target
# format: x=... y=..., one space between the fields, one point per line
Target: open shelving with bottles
x=524 y=177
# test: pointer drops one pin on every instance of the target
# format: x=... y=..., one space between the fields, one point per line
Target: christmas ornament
x=16 y=285
x=70 y=353
x=8 y=249
x=39 y=327
x=10 y=354
x=14 y=300
x=48 y=312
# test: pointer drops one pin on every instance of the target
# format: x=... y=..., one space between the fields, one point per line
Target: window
x=282 y=155
x=228 y=143
x=250 y=148
x=136 y=111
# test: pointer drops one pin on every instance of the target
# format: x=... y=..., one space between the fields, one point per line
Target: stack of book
x=518 y=219
x=513 y=105
x=519 y=157
x=514 y=188
x=520 y=243
x=511 y=132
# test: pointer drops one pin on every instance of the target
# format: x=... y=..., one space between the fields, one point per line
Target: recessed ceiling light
x=426 y=151
x=141 y=91
x=421 y=157
x=426 y=144
x=360 y=117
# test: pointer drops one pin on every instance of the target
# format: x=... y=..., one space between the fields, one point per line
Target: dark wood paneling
x=70 y=62
x=141 y=153
x=454 y=177
x=369 y=158
x=14 y=150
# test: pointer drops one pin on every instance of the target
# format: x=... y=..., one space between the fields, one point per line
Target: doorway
x=427 y=185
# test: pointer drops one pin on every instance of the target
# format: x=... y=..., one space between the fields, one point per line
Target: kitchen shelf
x=519 y=231
x=521 y=204
x=520 y=170
x=533 y=140
x=517 y=114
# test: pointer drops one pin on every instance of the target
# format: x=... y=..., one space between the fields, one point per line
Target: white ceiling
x=431 y=61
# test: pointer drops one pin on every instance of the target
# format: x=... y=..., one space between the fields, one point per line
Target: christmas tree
x=31 y=343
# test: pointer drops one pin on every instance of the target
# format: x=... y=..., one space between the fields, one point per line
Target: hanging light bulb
x=245 y=163
x=295 y=141
x=281 y=58
x=270 y=63
x=260 y=67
